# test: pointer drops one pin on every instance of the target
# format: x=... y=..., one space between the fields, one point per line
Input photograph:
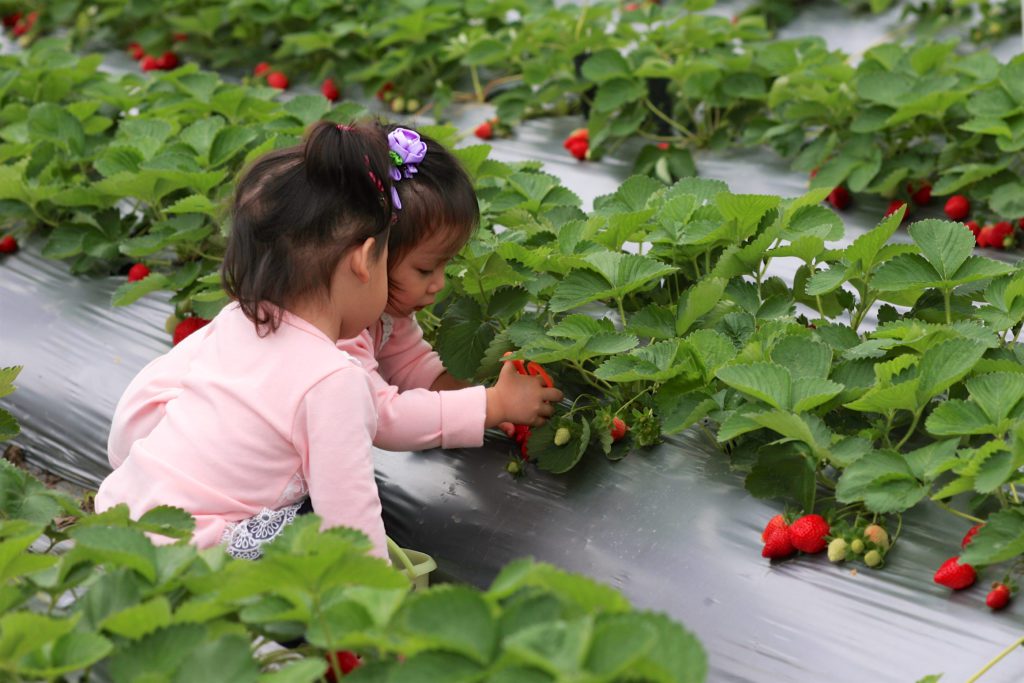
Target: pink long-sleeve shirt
x=256 y=422
x=401 y=367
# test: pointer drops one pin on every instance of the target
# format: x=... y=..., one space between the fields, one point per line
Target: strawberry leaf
x=452 y=618
x=1000 y=539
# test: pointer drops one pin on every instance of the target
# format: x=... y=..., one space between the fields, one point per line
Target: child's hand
x=520 y=399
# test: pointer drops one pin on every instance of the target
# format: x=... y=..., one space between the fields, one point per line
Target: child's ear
x=362 y=259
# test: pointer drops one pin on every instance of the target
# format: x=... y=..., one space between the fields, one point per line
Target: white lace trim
x=294 y=491
x=387 y=327
x=245 y=539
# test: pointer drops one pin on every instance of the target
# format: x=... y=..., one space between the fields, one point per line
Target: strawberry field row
x=818 y=411
x=905 y=116
x=170 y=612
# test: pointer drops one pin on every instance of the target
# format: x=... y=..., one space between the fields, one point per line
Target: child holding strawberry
x=253 y=413
x=420 y=404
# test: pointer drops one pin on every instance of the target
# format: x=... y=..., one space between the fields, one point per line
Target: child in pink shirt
x=419 y=404
x=264 y=407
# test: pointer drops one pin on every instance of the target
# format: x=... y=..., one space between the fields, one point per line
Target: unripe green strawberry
x=514 y=468
x=412 y=105
x=398 y=104
x=857 y=546
x=172 y=322
x=877 y=535
x=562 y=436
x=837 y=549
x=872 y=558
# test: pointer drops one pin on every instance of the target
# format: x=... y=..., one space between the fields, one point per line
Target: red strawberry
x=187 y=327
x=974 y=228
x=276 y=79
x=922 y=195
x=485 y=131
x=8 y=245
x=663 y=146
x=969 y=536
x=149 y=63
x=998 y=235
x=814 y=173
x=839 y=198
x=775 y=523
x=382 y=92
x=778 y=545
x=998 y=596
x=953 y=574
x=260 y=69
x=25 y=23
x=632 y=6
x=578 y=143
x=137 y=272
x=619 y=429
x=179 y=37
x=167 y=61
x=957 y=207
x=330 y=90
x=345 y=660
x=894 y=206
x=136 y=51
x=808 y=533
x=11 y=19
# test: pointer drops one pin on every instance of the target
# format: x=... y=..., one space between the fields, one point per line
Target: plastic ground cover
x=673 y=529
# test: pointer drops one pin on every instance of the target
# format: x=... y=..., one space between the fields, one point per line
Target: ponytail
x=298 y=210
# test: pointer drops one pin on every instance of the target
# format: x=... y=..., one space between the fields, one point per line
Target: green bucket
x=416 y=565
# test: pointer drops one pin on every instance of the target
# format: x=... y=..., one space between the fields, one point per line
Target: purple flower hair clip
x=407 y=150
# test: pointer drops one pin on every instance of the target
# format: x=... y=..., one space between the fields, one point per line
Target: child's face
x=419 y=276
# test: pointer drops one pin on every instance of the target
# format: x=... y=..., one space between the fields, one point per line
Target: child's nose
x=436 y=282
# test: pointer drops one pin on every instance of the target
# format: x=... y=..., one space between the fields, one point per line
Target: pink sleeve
x=338 y=459
x=406 y=359
x=418 y=419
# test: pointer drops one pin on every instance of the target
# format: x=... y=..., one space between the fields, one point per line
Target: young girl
x=410 y=420
x=254 y=427
x=420 y=405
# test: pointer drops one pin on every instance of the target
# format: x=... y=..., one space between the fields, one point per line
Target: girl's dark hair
x=438 y=198
x=296 y=212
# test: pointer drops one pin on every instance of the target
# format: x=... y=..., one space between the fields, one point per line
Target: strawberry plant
x=113 y=604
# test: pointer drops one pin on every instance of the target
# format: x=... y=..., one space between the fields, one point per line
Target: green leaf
x=676 y=657
x=944 y=364
x=230 y=141
x=883 y=480
x=297 y=671
x=130 y=292
x=998 y=393
x=613 y=275
x=954 y=417
x=999 y=540
x=115 y=547
x=696 y=301
x=558 y=459
x=155 y=656
x=452 y=618
x=557 y=647
x=767 y=382
x=49 y=122
x=618 y=641
x=463 y=337
x=995 y=470
x=71 y=652
x=605 y=65
x=306 y=108
x=655 y=363
x=227 y=658
x=22 y=632
x=139 y=620
x=782 y=472
x=618 y=92
x=906 y=271
x=803 y=357
x=201 y=134
x=196 y=203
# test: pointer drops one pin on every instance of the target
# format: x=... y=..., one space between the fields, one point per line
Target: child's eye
x=421 y=271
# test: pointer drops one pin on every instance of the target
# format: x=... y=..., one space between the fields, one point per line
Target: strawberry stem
x=1017 y=643
x=970 y=518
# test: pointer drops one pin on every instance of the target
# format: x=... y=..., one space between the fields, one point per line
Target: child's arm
x=408 y=361
x=338 y=458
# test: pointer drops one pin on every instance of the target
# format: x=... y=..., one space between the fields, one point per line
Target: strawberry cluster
x=806 y=534
x=869 y=544
x=958 y=575
x=19 y=23
x=147 y=62
x=578 y=144
x=275 y=79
